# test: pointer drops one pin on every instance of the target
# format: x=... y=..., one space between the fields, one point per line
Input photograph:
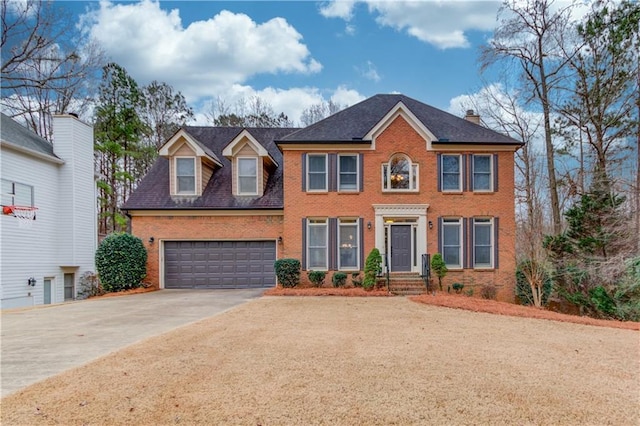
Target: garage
x=219 y=264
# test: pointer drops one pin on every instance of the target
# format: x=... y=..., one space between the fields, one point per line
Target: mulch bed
x=501 y=308
x=326 y=291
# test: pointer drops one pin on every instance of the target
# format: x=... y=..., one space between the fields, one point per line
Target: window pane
x=317 y=242
x=185 y=167
x=399 y=173
x=348 y=172
x=483 y=235
x=451 y=243
x=247 y=185
x=451 y=172
x=317 y=163
x=348 y=246
x=317 y=175
x=247 y=167
x=481 y=172
x=186 y=184
x=483 y=256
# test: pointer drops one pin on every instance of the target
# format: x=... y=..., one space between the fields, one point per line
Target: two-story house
x=222 y=204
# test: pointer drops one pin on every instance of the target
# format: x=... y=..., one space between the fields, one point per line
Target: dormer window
x=248 y=176
x=185 y=175
x=400 y=174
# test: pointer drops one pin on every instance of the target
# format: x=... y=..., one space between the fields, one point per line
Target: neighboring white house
x=41 y=263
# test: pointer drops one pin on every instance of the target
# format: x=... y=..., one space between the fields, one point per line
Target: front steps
x=406 y=284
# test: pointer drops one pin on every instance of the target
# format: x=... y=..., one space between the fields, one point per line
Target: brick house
x=221 y=204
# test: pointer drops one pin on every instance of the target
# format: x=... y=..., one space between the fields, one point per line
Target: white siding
x=64 y=232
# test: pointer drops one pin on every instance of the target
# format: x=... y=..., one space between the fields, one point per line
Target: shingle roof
x=13 y=133
x=353 y=124
x=153 y=190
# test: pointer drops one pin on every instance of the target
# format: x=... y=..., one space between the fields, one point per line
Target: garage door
x=219 y=264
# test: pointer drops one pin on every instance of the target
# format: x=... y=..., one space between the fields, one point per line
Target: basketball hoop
x=25 y=215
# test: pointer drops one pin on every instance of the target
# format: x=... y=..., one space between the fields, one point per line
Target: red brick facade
x=375 y=208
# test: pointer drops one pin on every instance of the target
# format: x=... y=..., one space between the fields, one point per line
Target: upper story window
x=247 y=176
x=451 y=172
x=185 y=175
x=317 y=172
x=347 y=172
x=482 y=176
x=400 y=174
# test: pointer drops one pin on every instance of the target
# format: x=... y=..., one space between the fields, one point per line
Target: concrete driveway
x=41 y=342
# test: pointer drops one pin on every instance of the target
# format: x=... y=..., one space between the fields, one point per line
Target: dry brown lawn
x=345 y=361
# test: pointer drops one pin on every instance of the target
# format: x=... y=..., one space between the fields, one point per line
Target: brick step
x=406 y=286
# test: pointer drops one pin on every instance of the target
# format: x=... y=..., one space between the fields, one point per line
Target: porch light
x=31 y=282
x=280 y=239
x=369 y=225
x=151 y=240
x=430 y=225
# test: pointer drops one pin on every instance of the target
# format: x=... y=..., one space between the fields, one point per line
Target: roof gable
x=243 y=138
x=359 y=122
x=400 y=110
x=181 y=137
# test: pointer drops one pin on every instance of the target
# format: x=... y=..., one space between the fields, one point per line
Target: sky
x=297 y=53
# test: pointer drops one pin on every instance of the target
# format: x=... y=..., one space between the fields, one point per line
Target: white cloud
x=338 y=9
x=441 y=23
x=201 y=58
x=290 y=101
x=370 y=72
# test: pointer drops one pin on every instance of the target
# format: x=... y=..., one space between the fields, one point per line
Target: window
x=16 y=194
x=348 y=244
x=247 y=176
x=451 y=176
x=482 y=173
x=185 y=175
x=451 y=242
x=317 y=244
x=317 y=172
x=482 y=243
x=348 y=172
x=399 y=174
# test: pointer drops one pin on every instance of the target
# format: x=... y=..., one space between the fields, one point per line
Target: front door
x=400 y=248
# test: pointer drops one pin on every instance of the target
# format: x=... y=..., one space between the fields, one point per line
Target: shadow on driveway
x=44 y=341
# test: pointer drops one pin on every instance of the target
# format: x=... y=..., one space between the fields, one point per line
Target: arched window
x=400 y=174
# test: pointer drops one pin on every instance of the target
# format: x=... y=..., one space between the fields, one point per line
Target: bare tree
x=319 y=111
x=532 y=35
x=45 y=69
x=251 y=112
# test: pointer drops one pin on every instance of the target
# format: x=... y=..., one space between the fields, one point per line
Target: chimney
x=472 y=117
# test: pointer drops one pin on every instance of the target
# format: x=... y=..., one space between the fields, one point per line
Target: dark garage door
x=219 y=264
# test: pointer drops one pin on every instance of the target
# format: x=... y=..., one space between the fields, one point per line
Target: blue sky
x=296 y=53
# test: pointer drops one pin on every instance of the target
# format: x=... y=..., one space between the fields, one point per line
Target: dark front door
x=400 y=248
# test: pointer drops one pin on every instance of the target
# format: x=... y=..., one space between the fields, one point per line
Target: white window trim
x=412 y=176
x=460 y=167
x=357 y=188
x=490 y=223
x=325 y=223
x=238 y=176
x=349 y=222
x=195 y=180
x=326 y=172
x=459 y=224
x=491 y=178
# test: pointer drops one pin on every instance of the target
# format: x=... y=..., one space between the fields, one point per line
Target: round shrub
x=316 y=278
x=288 y=272
x=121 y=261
x=339 y=279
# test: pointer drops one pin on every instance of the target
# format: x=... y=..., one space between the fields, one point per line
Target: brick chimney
x=472 y=116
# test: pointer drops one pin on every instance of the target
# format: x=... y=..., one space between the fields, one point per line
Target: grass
x=345 y=361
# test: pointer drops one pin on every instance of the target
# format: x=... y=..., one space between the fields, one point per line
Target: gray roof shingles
x=353 y=123
x=17 y=135
x=347 y=126
x=153 y=190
